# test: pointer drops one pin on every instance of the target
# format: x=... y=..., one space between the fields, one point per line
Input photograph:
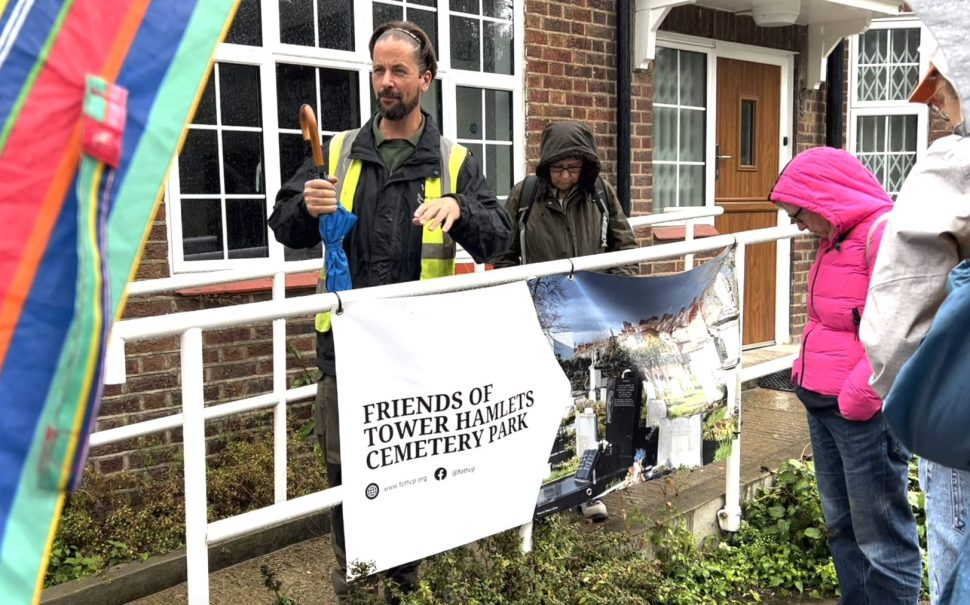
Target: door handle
x=717 y=160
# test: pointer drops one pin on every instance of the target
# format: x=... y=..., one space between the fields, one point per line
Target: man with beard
x=415 y=194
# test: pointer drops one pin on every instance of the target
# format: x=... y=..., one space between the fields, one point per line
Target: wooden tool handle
x=308 y=124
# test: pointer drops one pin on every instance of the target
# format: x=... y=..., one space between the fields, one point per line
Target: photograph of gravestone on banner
x=648 y=360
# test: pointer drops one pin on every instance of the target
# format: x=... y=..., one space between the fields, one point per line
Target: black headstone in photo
x=624 y=398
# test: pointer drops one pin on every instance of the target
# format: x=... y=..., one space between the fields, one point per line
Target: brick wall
x=238 y=364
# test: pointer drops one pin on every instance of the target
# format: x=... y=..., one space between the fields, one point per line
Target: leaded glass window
x=888 y=64
x=887 y=146
x=680 y=128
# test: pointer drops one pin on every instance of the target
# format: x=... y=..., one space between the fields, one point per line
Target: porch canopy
x=828 y=22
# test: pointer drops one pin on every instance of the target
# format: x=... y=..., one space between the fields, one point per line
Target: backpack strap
x=528 y=195
x=872 y=229
x=600 y=195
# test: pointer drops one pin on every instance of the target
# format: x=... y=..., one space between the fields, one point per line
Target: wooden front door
x=748 y=126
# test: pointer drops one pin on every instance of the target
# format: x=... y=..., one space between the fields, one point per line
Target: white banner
x=449 y=406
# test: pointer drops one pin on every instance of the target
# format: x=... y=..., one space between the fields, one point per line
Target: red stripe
x=39 y=161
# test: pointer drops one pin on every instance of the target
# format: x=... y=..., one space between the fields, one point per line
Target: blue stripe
x=34 y=352
x=143 y=73
x=27 y=46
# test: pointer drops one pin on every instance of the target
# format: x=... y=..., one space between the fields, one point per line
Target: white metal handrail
x=689 y=216
x=199 y=533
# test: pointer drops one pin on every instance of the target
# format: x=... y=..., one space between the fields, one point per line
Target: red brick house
x=694 y=103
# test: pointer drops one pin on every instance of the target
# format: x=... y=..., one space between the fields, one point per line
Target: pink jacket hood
x=835 y=185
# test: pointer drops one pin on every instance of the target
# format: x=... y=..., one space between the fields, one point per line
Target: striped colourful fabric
x=73 y=227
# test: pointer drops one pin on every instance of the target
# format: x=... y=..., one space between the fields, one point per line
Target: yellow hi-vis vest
x=437 y=247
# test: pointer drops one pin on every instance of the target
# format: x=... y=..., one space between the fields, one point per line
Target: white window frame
x=716 y=49
x=859 y=108
x=273 y=51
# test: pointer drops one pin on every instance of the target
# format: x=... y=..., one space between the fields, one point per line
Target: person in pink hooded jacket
x=861 y=469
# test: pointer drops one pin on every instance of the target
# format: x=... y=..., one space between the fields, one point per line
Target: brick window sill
x=676 y=233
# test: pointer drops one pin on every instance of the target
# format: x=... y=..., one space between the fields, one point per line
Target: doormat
x=777 y=381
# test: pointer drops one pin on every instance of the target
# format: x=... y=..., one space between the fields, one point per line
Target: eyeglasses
x=557 y=170
x=794 y=217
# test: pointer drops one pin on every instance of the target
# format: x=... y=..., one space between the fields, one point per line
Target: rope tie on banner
x=340 y=304
x=572 y=269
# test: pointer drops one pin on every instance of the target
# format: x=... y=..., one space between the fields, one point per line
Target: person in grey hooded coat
x=927 y=235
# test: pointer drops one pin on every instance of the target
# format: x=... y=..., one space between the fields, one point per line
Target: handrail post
x=689 y=237
x=193 y=438
x=279 y=390
x=525 y=535
x=729 y=518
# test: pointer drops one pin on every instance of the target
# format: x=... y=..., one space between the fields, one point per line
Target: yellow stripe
x=349 y=186
x=433 y=267
x=455 y=162
x=322 y=322
x=336 y=144
x=94 y=354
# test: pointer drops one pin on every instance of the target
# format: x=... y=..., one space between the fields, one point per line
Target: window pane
x=902 y=133
x=385 y=13
x=665 y=134
x=339 y=100
x=465 y=37
x=693 y=79
x=498 y=115
x=246 y=228
x=423 y=2
x=239 y=94
x=498 y=168
x=296 y=22
x=664 y=186
x=247 y=26
x=747 y=132
x=198 y=162
x=243 y=161
x=905 y=45
x=295 y=85
x=498 y=48
x=691 y=135
x=205 y=113
x=691 y=186
x=497 y=8
x=665 y=76
x=469 y=102
x=431 y=102
x=872 y=83
x=201 y=229
x=897 y=169
x=292 y=153
x=464 y=6
x=903 y=80
x=867 y=130
x=872 y=47
x=426 y=20
x=336 y=24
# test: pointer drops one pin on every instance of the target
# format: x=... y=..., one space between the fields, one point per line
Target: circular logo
x=440 y=474
x=371 y=491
